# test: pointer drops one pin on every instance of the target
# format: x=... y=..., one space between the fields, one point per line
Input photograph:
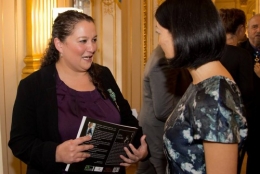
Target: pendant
x=256 y=57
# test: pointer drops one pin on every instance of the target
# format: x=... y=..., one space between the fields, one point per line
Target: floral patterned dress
x=211 y=110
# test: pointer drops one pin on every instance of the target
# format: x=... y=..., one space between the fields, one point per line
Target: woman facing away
x=50 y=102
x=203 y=132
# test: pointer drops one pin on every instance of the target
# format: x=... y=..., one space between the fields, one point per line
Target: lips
x=87 y=57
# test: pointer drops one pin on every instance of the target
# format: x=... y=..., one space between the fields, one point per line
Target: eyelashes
x=85 y=40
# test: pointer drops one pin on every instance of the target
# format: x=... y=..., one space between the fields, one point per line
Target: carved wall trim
x=144 y=21
x=108 y=6
x=243 y=2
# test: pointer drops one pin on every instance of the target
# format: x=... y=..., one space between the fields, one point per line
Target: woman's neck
x=214 y=68
x=79 y=81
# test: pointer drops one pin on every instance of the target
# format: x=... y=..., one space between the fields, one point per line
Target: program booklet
x=109 y=140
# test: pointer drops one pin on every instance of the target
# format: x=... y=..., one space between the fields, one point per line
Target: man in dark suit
x=237 y=60
x=252 y=45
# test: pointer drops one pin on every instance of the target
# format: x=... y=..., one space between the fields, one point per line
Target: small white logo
x=116 y=169
x=98 y=169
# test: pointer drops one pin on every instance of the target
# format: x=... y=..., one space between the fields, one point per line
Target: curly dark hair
x=63 y=27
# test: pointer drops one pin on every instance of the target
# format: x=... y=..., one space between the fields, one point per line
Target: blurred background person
x=234 y=20
x=252 y=45
x=163 y=86
x=237 y=60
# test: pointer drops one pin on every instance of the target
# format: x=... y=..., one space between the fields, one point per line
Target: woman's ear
x=58 y=45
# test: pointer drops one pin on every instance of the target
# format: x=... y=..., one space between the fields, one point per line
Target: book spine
x=80 y=129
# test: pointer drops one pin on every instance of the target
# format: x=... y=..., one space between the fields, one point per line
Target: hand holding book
x=110 y=150
x=70 y=151
x=136 y=154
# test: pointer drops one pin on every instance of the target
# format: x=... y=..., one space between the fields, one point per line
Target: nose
x=91 y=46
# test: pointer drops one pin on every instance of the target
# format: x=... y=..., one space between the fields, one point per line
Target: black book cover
x=108 y=139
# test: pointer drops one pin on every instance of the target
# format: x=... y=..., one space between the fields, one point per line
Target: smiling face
x=77 y=51
x=165 y=41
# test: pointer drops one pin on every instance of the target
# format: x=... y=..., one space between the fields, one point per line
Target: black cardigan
x=34 y=132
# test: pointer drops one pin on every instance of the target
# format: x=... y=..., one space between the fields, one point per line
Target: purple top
x=73 y=105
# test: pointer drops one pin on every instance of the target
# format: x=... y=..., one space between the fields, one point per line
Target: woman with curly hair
x=51 y=102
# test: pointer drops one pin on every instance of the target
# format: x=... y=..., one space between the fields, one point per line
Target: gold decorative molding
x=160 y=1
x=38 y=31
x=115 y=44
x=32 y=63
x=243 y=2
x=118 y=2
x=144 y=30
x=92 y=7
x=108 y=6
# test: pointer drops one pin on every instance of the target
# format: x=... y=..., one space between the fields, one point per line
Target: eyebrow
x=255 y=25
x=88 y=37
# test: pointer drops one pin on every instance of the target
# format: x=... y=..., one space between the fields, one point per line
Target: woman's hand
x=257 y=69
x=137 y=155
x=73 y=150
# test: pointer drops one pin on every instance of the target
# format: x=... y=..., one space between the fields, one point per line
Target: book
x=109 y=140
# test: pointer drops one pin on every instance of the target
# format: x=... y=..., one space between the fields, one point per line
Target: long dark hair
x=197 y=31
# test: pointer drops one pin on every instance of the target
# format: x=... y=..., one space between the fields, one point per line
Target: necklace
x=257 y=55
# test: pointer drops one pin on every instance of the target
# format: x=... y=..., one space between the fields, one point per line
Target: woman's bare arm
x=220 y=158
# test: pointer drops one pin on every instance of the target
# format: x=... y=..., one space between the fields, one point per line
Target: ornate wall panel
x=12 y=53
x=132 y=51
x=38 y=26
x=107 y=15
x=139 y=39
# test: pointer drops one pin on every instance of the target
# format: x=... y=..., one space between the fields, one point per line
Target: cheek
x=76 y=49
x=169 y=53
x=94 y=46
x=250 y=33
x=167 y=46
